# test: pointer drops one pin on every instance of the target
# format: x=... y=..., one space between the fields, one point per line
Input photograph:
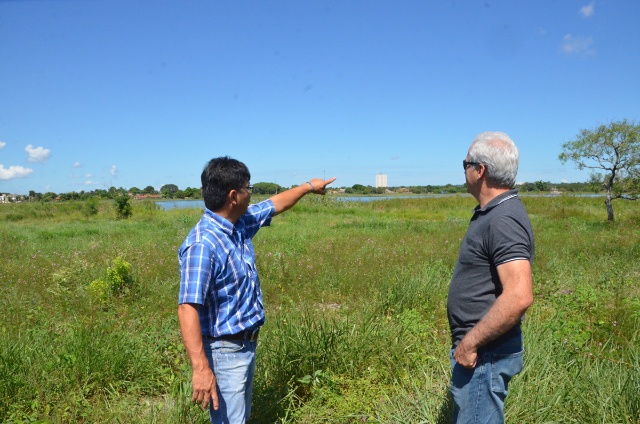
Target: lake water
x=181 y=204
x=199 y=204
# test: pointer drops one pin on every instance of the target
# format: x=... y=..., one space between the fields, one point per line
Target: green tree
x=190 y=192
x=122 y=204
x=101 y=193
x=542 y=185
x=169 y=190
x=49 y=196
x=90 y=207
x=360 y=189
x=149 y=190
x=614 y=149
x=267 y=188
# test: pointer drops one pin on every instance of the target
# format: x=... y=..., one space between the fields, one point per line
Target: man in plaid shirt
x=220 y=302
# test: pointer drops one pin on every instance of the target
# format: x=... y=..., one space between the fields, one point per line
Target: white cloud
x=77 y=165
x=581 y=46
x=13 y=172
x=89 y=182
x=89 y=176
x=114 y=170
x=37 y=154
x=2 y=144
x=588 y=10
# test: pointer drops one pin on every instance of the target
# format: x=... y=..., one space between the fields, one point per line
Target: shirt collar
x=497 y=200
x=224 y=224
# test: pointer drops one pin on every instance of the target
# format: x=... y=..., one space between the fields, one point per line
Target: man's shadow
x=445 y=414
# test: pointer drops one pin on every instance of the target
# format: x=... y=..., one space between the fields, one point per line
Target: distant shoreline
x=199 y=203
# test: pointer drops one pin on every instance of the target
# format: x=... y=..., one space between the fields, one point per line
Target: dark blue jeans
x=479 y=393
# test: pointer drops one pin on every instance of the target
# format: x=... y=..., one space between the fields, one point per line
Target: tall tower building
x=381 y=180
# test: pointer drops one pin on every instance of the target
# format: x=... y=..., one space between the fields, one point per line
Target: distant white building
x=7 y=198
x=381 y=180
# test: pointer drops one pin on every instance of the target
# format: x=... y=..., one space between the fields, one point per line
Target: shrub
x=119 y=275
x=90 y=207
x=119 y=280
x=99 y=290
x=123 y=206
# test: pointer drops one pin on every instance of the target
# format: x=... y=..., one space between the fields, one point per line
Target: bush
x=123 y=206
x=119 y=280
x=90 y=207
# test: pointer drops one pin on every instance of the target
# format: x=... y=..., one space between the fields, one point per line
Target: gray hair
x=499 y=154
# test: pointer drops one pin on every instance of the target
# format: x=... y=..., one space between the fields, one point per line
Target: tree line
x=171 y=191
x=611 y=152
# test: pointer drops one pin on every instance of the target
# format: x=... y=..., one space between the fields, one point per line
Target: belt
x=249 y=335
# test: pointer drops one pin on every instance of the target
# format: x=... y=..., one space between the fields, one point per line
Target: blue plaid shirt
x=218 y=271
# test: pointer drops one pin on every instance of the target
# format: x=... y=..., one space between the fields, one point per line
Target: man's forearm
x=192 y=336
x=286 y=199
x=203 y=380
x=516 y=297
x=501 y=317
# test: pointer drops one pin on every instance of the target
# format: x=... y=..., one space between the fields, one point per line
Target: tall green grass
x=356 y=324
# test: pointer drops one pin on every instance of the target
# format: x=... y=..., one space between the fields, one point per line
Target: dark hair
x=219 y=177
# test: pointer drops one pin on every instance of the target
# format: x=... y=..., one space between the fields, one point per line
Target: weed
x=118 y=281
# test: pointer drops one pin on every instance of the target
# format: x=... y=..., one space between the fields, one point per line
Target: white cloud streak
x=2 y=144
x=579 y=46
x=588 y=10
x=13 y=172
x=37 y=154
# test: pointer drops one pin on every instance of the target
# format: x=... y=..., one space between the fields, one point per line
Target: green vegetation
x=171 y=191
x=123 y=206
x=356 y=325
x=614 y=149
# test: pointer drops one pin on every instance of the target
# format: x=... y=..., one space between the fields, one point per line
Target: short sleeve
x=509 y=240
x=258 y=216
x=195 y=273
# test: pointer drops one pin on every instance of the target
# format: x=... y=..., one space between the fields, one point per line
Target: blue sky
x=95 y=94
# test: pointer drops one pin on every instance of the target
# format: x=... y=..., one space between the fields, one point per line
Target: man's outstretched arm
x=285 y=200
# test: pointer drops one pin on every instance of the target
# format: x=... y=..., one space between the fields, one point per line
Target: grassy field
x=356 y=323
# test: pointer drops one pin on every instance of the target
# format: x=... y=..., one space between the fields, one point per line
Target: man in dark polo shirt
x=492 y=284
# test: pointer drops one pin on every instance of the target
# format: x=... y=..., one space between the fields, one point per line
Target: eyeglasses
x=249 y=188
x=466 y=164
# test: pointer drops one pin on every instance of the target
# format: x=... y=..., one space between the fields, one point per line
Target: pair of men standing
x=220 y=302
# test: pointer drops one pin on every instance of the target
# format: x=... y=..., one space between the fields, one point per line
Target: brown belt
x=249 y=335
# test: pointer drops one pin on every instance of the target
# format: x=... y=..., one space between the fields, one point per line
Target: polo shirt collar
x=497 y=200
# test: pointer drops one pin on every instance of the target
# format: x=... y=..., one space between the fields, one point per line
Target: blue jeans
x=479 y=393
x=234 y=364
